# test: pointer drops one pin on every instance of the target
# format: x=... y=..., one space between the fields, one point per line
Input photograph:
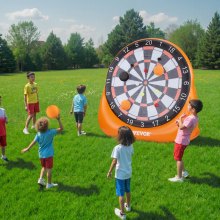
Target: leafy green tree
x=90 y=56
x=53 y=53
x=22 y=39
x=129 y=29
x=75 y=50
x=208 y=55
x=187 y=37
x=154 y=32
x=7 y=60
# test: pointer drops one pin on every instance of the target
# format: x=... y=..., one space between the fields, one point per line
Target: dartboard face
x=148 y=83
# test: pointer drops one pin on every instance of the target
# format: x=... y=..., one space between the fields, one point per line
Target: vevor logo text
x=142 y=133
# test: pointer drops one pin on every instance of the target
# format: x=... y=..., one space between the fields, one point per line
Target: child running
x=122 y=154
x=44 y=138
x=3 y=121
x=79 y=106
x=186 y=126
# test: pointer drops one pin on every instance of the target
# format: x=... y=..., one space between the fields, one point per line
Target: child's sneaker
x=32 y=127
x=25 y=131
x=80 y=134
x=41 y=182
x=51 y=185
x=127 y=208
x=176 y=179
x=83 y=132
x=185 y=174
x=119 y=214
x=5 y=158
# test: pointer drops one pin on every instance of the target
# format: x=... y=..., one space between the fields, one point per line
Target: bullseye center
x=145 y=82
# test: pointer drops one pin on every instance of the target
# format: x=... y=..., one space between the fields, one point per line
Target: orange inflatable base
x=109 y=123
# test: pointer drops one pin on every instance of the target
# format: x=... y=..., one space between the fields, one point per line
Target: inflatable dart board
x=148 y=86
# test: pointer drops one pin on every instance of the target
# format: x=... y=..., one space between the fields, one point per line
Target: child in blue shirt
x=44 y=138
x=79 y=106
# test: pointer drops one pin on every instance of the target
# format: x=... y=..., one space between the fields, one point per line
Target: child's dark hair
x=196 y=104
x=41 y=124
x=30 y=74
x=81 y=89
x=125 y=136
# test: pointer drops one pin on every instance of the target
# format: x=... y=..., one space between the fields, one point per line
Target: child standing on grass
x=31 y=101
x=121 y=155
x=3 y=121
x=44 y=137
x=79 y=106
x=186 y=126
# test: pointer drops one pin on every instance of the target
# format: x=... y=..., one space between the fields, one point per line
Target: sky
x=97 y=18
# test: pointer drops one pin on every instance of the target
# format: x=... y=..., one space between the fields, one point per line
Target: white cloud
x=29 y=13
x=67 y=20
x=160 y=19
x=116 y=19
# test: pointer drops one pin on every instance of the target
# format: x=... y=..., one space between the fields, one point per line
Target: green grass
x=81 y=163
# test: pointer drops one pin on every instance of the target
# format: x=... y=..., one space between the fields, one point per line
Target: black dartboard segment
x=148 y=83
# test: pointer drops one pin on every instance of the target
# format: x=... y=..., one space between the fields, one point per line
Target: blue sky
x=96 y=18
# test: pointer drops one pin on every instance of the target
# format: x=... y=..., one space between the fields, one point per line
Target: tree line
x=23 y=51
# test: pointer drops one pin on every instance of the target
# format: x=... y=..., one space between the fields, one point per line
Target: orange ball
x=52 y=111
x=126 y=105
x=158 y=69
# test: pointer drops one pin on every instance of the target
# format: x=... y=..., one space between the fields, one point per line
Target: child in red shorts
x=44 y=137
x=186 y=126
x=3 y=121
x=31 y=101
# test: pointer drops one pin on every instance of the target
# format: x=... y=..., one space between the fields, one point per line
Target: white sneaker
x=80 y=134
x=185 y=174
x=83 y=132
x=51 y=185
x=41 y=182
x=118 y=213
x=127 y=208
x=32 y=127
x=25 y=131
x=176 y=179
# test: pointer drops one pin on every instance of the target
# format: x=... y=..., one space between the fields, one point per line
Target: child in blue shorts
x=121 y=155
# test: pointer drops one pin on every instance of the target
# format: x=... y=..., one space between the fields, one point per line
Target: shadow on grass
x=90 y=134
x=78 y=190
x=154 y=216
x=20 y=163
x=206 y=141
x=209 y=179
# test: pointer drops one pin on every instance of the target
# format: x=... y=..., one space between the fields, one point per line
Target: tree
x=187 y=37
x=90 y=56
x=75 y=51
x=53 y=53
x=22 y=38
x=154 y=32
x=7 y=60
x=208 y=54
x=129 y=29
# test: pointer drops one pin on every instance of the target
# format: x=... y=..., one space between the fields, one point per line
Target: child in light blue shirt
x=79 y=106
x=44 y=138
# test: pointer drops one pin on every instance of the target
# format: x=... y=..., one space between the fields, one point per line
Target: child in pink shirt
x=3 y=121
x=186 y=125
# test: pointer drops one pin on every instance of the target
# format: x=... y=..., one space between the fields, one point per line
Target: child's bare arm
x=25 y=101
x=113 y=164
x=29 y=147
x=85 y=108
x=180 y=122
x=60 y=129
x=71 y=110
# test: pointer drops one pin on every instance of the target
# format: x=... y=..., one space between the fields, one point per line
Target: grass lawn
x=81 y=163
